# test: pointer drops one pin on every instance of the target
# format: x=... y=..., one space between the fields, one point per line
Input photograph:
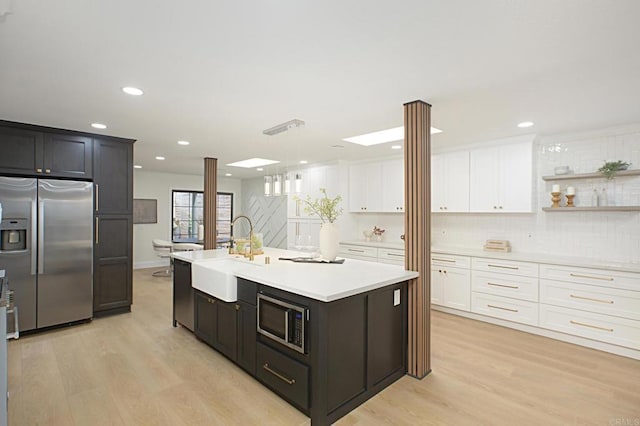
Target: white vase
x=329 y=241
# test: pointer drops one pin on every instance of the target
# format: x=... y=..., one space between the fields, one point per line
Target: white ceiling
x=218 y=73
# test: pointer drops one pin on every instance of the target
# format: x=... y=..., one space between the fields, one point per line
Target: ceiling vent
x=283 y=127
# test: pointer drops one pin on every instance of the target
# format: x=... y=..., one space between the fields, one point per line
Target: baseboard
x=151 y=264
x=576 y=340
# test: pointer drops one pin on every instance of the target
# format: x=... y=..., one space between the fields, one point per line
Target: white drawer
x=394 y=256
x=349 y=250
x=505 y=308
x=604 y=300
x=601 y=277
x=450 y=260
x=524 y=288
x=618 y=331
x=505 y=266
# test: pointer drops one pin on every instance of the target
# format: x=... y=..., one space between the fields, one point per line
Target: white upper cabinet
x=501 y=178
x=365 y=185
x=393 y=186
x=450 y=182
x=312 y=180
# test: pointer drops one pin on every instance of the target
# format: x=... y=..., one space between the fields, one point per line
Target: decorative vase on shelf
x=329 y=241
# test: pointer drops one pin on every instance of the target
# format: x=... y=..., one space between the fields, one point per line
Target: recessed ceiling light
x=383 y=136
x=159 y=158
x=396 y=146
x=252 y=162
x=228 y=174
x=525 y=124
x=137 y=166
x=183 y=142
x=98 y=126
x=134 y=91
x=259 y=169
x=303 y=161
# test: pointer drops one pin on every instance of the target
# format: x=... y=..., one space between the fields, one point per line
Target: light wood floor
x=137 y=369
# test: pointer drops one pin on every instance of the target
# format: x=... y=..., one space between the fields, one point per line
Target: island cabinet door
x=247 y=337
x=387 y=331
x=205 y=317
x=226 y=329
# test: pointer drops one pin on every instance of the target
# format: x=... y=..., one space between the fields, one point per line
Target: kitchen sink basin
x=217 y=277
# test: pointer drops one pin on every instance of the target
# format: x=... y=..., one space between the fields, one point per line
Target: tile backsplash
x=608 y=236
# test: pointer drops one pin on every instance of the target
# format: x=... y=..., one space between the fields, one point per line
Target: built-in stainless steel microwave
x=283 y=322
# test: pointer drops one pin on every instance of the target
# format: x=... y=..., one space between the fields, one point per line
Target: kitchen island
x=325 y=337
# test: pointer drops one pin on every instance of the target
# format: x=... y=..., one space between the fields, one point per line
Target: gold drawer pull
x=396 y=255
x=591 y=326
x=503 y=285
x=504 y=309
x=591 y=277
x=443 y=260
x=503 y=267
x=278 y=375
x=590 y=298
x=357 y=251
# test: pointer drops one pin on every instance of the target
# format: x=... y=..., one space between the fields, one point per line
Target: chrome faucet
x=250 y=236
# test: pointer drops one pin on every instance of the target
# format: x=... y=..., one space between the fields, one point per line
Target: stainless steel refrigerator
x=46 y=247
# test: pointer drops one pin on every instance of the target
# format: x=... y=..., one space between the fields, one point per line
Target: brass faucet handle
x=231 y=245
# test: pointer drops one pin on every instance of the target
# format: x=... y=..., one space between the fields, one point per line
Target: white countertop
x=379 y=244
x=323 y=282
x=541 y=258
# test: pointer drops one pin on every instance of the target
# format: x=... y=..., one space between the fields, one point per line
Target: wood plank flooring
x=136 y=369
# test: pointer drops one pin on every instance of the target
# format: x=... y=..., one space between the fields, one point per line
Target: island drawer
x=525 y=288
x=450 y=260
x=605 y=328
x=285 y=376
x=350 y=250
x=601 y=277
x=512 y=267
x=603 y=300
x=505 y=308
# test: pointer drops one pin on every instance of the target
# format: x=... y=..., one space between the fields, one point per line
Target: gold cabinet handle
x=502 y=285
x=357 y=251
x=237 y=307
x=97 y=197
x=47 y=170
x=396 y=255
x=503 y=267
x=500 y=307
x=591 y=277
x=437 y=259
x=591 y=299
x=278 y=375
x=610 y=330
x=97 y=230
x=39 y=170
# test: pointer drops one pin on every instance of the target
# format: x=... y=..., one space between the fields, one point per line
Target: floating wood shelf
x=596 y=175
x=593 y=209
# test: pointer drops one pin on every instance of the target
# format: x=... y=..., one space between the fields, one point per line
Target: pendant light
x=287 y=184
x=277 y=185
x=267 y=186
x=298 y=183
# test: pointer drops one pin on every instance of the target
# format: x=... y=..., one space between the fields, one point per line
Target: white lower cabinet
x=451 y=287
x=604 y=328
x=506 y=308
x=570 y=302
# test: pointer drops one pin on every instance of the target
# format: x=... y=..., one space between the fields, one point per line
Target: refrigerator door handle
x=34 y=235
x=41 y=237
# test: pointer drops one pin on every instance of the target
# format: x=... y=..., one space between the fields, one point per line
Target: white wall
x=608 y=236
x=156 y=185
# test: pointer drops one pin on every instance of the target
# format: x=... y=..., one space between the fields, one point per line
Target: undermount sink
x=217 y=277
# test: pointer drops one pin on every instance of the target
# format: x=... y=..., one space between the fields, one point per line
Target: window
x=187 y=209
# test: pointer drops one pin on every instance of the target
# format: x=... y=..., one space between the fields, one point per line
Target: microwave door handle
x=286 y=325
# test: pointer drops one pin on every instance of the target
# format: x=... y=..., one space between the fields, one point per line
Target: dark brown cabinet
x=113 y=268
x=204 y=317
x=28 y=151
x=247 y=336
x=112 y=278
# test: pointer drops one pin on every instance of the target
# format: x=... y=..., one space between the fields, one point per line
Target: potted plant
x=327 y=210
x=610 y=168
